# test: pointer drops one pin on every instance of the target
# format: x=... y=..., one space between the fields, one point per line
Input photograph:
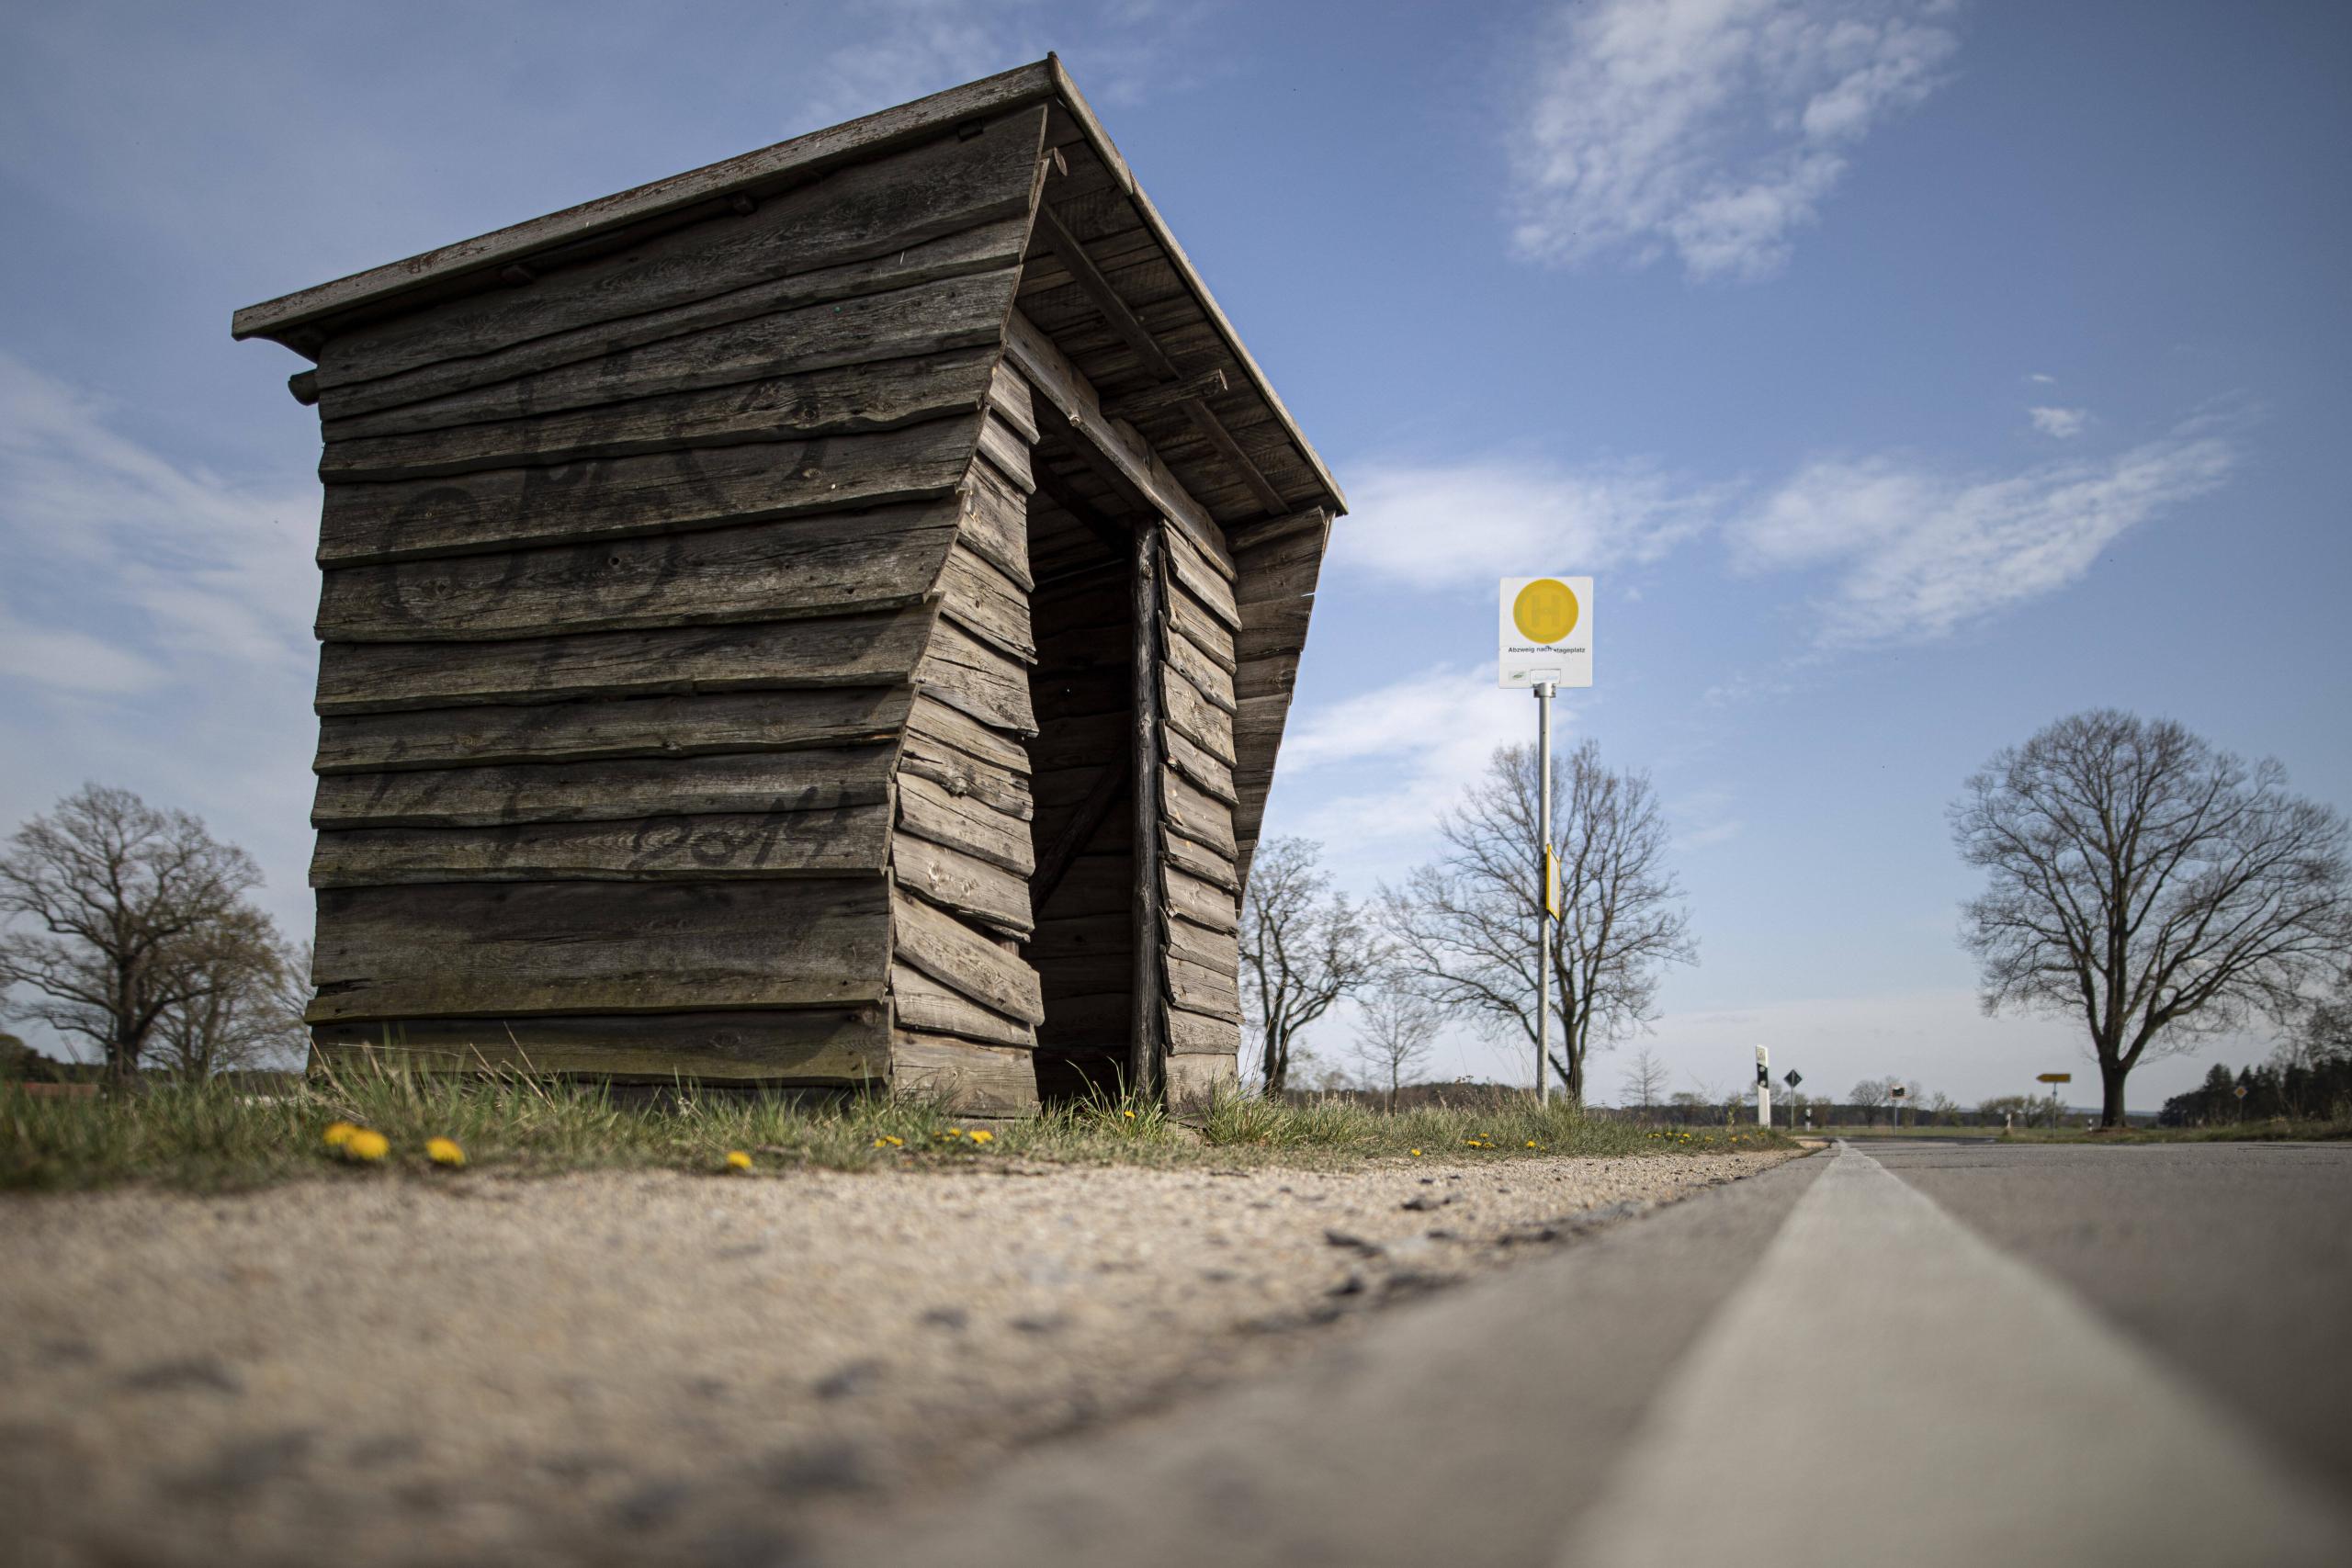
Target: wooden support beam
x=304 y=384
x=1154 y=400
x=1051 y=373
x=1266 y=530
x=1097 y=287
x=1071 y=842
x=1144 y=1043
x=1116 y=537
x=1206 y=421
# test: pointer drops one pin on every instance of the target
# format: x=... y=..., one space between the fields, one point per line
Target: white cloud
x=1713 y=128
x=1919 y=555
x=150 y=563
x=2039 y=379
x=1401 y=753
x=155 y=629
x=2063 y=423
x=1449 y=523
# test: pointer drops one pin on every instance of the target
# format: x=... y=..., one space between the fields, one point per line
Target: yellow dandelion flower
x=739 y=1160
x=1415 y=1153
x=339 y=1133
x=984 y=1137
x=1128 y=1114
x=1531 y=1143
x=365 y=1144
x=881 y=1143
x=444 y=1151
x=894 y=1142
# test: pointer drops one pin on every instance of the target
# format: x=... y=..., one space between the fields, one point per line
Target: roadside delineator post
x=1763 y=1085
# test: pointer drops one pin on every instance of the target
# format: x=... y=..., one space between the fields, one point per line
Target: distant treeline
x=2314 y=1091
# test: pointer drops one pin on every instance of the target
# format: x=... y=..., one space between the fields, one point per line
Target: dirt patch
x=627 y=1367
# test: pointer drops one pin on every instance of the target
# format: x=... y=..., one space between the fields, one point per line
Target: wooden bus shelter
x=824 y=619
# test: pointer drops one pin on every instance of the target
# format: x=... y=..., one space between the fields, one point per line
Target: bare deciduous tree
x=2155 y=888
x=248 y=1014
x=113 y=911
x=1464 y=924
x=1393 y=1033
x=1870 y=1094
x=1302 y=948
x=1644 y=1082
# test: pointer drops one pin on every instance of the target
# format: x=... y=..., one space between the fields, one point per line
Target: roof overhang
x=305 y=320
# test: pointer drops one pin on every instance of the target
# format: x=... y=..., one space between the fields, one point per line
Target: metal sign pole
x=1543 y=891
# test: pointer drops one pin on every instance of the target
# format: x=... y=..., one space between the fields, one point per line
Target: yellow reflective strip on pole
x=1551 y=882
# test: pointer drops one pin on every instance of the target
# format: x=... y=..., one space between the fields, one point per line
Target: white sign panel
x=1546 y=631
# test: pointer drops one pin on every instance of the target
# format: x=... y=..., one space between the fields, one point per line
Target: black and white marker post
x=1763 y=1085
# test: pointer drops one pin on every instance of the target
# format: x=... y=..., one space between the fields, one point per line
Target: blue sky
x=1909 y=374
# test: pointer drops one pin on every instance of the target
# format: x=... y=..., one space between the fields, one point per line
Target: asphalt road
x=1934 y=1353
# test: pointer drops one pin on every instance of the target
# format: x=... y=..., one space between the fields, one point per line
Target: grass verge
x=214 y=1137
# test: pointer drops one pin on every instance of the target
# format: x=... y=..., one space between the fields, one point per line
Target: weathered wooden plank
x=841 y=841
x=853 y=650
x=1195 y=813
x=1198 y=1035
x=1193 y=570
x=993 y=102
x=830 y=564
x=1217 y=951
x=1196 y=1082
x=863 y=226
x=840 y=401
x=996 y=522
x=1149 y=402
x=1199 y=902
x=971 y=887
x=920 y=1003
x=987 y=603
x=1052 y=375
x=949 y=950
x=1196 y=718
x=816 y=781
x=962 y=1077
x=965 y=672
x=1208 y=677
x=1100 y=882
x=1265 y=678
x=1085 y=821
x=1204 y=631
x=609 y=498
x=946 y=726
x=1284 y=567
x=1004 y=789
x=816 y=1045
x=957 y=311
x=630 y=727
x=1145 y=1048
x=1206 y=772
x=964 y=822
x=1197 y=859
x=1314 y=521
x=1009 y=396
x=1097 y=1021
x=471 y=950
x=1089 y=280
x=1008 y=449
x=1196 y=987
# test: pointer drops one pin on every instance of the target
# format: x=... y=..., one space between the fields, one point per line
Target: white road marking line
x=1889 y=1384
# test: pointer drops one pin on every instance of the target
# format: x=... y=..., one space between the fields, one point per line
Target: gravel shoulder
x=622 y=1367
